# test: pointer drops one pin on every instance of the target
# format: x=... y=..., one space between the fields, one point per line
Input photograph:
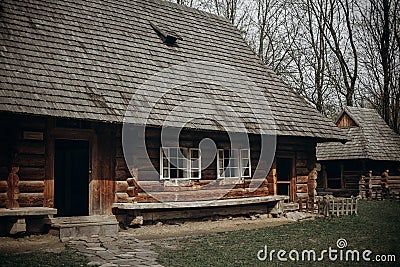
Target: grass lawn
x=67 y=257
x=376 y=228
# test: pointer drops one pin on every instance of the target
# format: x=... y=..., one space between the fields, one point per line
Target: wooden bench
x=25 y=219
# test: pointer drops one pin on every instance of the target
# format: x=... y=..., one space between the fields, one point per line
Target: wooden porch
x=131 y=214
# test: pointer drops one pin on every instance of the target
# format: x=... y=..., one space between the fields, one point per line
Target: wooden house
x=373 y=146
x=71 y=69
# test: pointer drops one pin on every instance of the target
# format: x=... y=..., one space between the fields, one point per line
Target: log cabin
x=83 y=81
x=373 y=147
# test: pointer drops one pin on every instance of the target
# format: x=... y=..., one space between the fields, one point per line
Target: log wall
x=30 y=157
x=353 y=170
x=302 y=150
x=128 y=190
x=28 y=142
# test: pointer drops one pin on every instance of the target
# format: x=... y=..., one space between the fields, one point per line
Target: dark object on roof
x=88 y=60
x=371 y=138
x=169 y=37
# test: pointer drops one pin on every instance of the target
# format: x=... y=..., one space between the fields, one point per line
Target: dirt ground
x=161 y=231
x=46 y=243
x=49 y=243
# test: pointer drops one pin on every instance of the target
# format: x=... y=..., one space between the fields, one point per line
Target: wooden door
x=285 y=176
x=71 y=173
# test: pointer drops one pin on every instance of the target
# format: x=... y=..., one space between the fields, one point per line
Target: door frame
x=292 y=182
x=53 y=134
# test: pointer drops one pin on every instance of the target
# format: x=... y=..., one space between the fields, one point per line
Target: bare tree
x=382 y=57
x=340 y=39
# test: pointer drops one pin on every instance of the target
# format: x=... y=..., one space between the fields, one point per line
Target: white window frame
x=189 y=168
x=240 y=166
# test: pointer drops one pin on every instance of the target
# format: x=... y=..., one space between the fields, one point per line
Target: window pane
x=195 y=174
x=245 y=163
x=246 y=172
x=180 y=163
x=234 y=163
x=235 y=154
x=195 y=154
x=166 y=152
x=226 y=153
x=165 y=162
x=226 y=162
x=195 y=164
x=165 y=173
x=173 y=152
x=173 y=173
x=174 y=162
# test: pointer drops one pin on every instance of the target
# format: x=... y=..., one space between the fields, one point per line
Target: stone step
x=289 y=207
x=84 y=226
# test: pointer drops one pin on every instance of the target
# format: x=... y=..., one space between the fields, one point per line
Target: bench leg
x=16 y=226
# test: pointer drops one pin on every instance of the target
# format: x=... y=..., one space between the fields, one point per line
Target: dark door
x=71 y=177
x=284 y=173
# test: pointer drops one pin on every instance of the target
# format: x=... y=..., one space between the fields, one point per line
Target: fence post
x=361 y=188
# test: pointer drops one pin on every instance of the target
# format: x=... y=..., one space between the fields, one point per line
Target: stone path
x=121 y=250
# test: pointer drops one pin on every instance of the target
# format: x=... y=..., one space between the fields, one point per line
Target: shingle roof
x=87 y=59
x=373 y=139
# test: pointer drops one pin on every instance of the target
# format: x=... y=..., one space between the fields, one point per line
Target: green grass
x=377 y=228
x=67 y=257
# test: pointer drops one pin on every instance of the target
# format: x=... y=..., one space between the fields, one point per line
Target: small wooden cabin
x=70 y=70
x=373 y=146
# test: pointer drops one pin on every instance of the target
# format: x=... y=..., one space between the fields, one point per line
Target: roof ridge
x=187 y=8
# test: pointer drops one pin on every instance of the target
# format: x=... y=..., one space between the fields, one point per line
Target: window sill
x=230 y=180
x=178 y=182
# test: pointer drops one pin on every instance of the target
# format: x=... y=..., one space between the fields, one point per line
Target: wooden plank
x=121 y=186
x=34 y=148
x=301 y=188
x=33 y=123
x=103 y=182
x=49 y=166
x=3 y=186
x=31 y=173
x=123 y=198
x=31 y=160
x=121 y=175
x=31 y=186
x=31 y=199
x=3 y=198
x=302 y=179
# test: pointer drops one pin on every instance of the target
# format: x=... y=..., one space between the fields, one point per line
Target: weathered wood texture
x=303 y=150
x=345 y=121
x=102 y=184
x=149 y=187
x=352 y=171
x=379 y=187
x=22 y=145
x=13 y=189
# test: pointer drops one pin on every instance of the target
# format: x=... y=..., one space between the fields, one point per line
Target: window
x=180 y=163
x=233 y=163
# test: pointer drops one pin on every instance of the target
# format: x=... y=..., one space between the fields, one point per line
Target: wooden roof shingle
x=371 y=139
x=89 y=59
